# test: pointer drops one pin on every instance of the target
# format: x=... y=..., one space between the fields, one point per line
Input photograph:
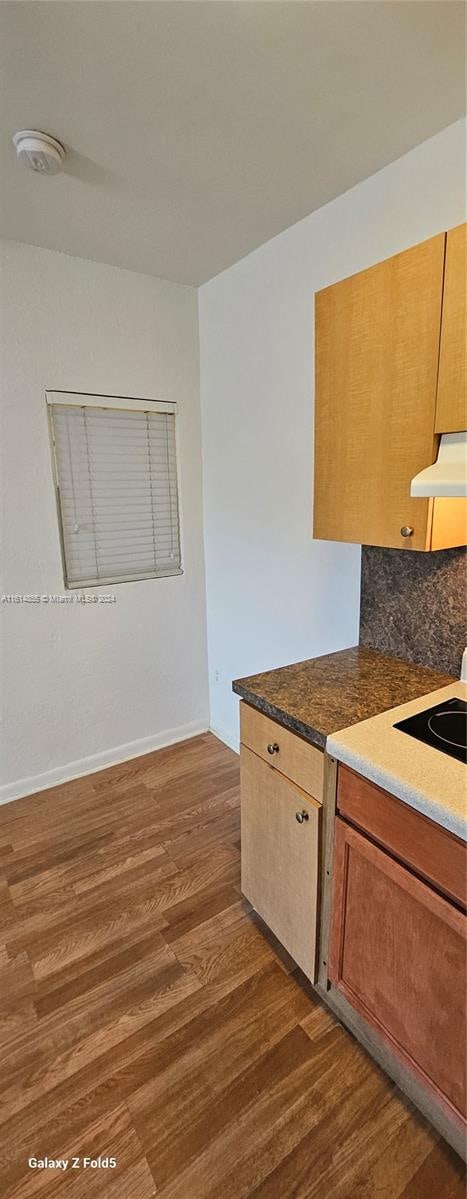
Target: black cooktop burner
x=444 y=727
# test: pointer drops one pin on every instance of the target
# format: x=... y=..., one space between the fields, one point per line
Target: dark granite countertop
x=323 y=695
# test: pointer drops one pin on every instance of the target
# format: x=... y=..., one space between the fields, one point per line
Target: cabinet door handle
x=406 y=530
x=273 y=747
x=301 y=816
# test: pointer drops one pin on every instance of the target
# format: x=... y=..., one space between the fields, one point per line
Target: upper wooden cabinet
x=451 y=407
x=377 y=344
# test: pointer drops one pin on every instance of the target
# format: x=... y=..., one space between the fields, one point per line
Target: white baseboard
x=232 y=742
x=95 y=762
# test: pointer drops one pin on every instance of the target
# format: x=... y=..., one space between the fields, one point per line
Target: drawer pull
x=301 y=816
x=273 y=747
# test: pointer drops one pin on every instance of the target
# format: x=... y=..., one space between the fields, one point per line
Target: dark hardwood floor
x=145 y=1014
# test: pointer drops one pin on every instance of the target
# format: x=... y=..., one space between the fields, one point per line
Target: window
x=116 y=479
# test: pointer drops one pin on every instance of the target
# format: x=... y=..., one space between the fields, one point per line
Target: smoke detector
x=39 y=151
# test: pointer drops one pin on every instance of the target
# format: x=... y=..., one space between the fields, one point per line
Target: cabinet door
x=397 y=953
x=376 y=353
x=280 y=856
x=451 y=407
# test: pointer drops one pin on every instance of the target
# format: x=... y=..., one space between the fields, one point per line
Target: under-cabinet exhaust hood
x=448 y=475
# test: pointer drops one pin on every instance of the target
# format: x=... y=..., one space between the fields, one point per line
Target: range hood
x=448 y=475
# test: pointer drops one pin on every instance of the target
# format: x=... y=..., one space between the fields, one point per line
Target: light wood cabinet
x=285 y=751
x=280 y=852
x=397 y=954
x=451 y=407
x=377 y=343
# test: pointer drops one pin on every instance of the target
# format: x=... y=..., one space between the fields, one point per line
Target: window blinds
x=116 y=475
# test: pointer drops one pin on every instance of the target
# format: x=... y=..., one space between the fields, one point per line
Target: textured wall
x=414 y=605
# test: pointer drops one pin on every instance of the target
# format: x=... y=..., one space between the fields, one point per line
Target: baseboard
x=95 y=762
x=232 y=742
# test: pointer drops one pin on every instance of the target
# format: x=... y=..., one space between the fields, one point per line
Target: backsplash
x=414 y=605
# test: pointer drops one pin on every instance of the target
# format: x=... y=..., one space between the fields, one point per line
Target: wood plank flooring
x=146 y=1015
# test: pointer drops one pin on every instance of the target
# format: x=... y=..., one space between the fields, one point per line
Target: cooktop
x=444 y=727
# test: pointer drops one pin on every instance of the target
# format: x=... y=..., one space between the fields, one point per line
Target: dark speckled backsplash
x=414 y=605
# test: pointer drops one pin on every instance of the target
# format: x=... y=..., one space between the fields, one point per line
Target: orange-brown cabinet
x=378 y=408
x=398 y=955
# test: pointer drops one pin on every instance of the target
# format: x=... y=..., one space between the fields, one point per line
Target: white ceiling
x=198 y=130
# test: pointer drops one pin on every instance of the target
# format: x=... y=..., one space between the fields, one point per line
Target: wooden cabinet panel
x=376 y=351
x=449 y=526
x=397 y=953
x=280 y=857
x=293 y=756
x=451 y=407
x=427 y=848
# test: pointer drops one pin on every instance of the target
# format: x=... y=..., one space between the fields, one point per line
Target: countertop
x=419 y=775
x=322 y=695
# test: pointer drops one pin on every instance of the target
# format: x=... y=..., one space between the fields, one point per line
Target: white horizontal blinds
x=117 y=479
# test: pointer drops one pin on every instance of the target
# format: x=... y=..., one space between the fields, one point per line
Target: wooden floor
x=145 y=1014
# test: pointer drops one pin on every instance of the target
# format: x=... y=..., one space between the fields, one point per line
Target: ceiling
x=199 y=129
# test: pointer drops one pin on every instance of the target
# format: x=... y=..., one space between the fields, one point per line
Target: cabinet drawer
x=280 y=857
x=398 y=955
x=423 y=845
x=295 y=758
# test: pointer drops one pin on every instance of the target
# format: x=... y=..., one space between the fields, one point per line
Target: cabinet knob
x=406 y=530
x=273 y=747
x=301 y=816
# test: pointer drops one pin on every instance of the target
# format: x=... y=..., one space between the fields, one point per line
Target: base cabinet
x=280 y=843
x=398 y=955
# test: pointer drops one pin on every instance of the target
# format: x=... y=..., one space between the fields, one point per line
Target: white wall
x=274 y=595
x=83 y=686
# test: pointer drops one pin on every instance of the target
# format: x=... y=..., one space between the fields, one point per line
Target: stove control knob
x=406 y=530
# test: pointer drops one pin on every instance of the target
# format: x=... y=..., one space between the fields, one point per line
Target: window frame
x=106 y=402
